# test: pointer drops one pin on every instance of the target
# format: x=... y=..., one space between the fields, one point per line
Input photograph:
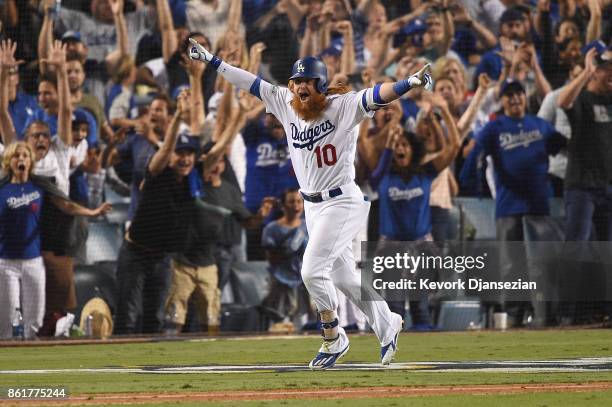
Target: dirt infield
x=339 y=393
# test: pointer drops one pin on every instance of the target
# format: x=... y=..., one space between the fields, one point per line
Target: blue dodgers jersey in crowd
x=291 y=244
x=20 y=109
x=520 y=149
x=20 y=206
x=138 y=150
x=40 y=115
x=404 y=205
x=269 y=171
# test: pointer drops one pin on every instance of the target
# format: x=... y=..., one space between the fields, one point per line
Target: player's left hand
x=422 y=78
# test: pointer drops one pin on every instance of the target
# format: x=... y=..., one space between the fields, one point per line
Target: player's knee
x=308 y=277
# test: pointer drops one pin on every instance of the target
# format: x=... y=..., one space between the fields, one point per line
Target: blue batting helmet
x=311 y=68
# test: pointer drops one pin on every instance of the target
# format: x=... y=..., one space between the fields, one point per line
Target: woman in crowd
x=22 y=199
x=403 y=177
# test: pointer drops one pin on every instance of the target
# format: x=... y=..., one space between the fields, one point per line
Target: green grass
x=126 y=383
x=523 y=345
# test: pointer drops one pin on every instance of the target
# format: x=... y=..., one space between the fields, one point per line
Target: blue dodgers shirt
x=291 y=244
x=40 y=115
x=20 y=109
x=520 y=150
x=269 y=170
x=404 y=205
x=20 y=206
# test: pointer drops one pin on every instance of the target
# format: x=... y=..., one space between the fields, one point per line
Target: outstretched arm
x=382 y=94
x=160 y=160
x=166 y=26
x=57 y=60
x=450 y=147
x=7 y=62
x=45 y=38
x=570 y=92
x=72 y=208
x=238 y=77
x=113 y=59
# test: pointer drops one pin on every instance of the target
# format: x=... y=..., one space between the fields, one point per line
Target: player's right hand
x=198 y=52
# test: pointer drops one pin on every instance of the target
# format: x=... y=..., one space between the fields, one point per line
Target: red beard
x=312 y=110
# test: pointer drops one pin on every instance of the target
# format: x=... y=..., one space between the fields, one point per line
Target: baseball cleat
x=387 y=352
x=325 y=360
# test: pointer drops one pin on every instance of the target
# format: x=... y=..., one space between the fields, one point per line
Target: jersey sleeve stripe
x=364 y=102
x=254 y=90
x=377 y=98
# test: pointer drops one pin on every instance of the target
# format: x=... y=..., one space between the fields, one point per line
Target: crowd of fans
x=101 y=93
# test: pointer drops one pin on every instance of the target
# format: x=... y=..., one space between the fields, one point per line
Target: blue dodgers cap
x=335 y=50
x=512 y=14
x=72 y=36
x=604 y=52
x=416 y=28
x=79 y=116
x=177 y=91
x=599 y=45
x=510 y=87
x=185 y=142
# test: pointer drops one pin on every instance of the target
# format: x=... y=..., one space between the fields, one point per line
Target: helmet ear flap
x=322 y=85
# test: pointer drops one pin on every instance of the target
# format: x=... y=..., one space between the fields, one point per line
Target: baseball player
x=319 y=121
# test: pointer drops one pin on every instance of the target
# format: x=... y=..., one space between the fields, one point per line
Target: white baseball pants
x=329 y=262
x=25 y=280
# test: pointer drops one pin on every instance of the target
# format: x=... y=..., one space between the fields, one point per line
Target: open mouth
x=303 y=96
x=21 y=167
x=41 y=147
x=182 y=165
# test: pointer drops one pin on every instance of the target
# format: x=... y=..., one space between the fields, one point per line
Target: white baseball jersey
x=322 y=152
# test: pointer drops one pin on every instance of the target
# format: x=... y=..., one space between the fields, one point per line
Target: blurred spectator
x=140 y=145
x=220 y=192
x=21 y=105
x=487 y=12
x=211 y=17
x=285 y=241
x=514 y=28
x=519 y=145
x=587 y=100
x=55 y=156
x=82 y=99
x=269 y=170
x=120 y=106
x=194 y=269
x=158 y=227
x=23 y=196
x=404 y=178
x=100 y=40
x=555 y=115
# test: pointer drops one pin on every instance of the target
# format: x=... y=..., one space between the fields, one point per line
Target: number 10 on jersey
x=326 y=155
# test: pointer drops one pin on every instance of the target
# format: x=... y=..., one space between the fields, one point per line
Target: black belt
x=318 y=197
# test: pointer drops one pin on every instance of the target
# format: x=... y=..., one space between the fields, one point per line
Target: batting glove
x=422 y=78
x=198 y=52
